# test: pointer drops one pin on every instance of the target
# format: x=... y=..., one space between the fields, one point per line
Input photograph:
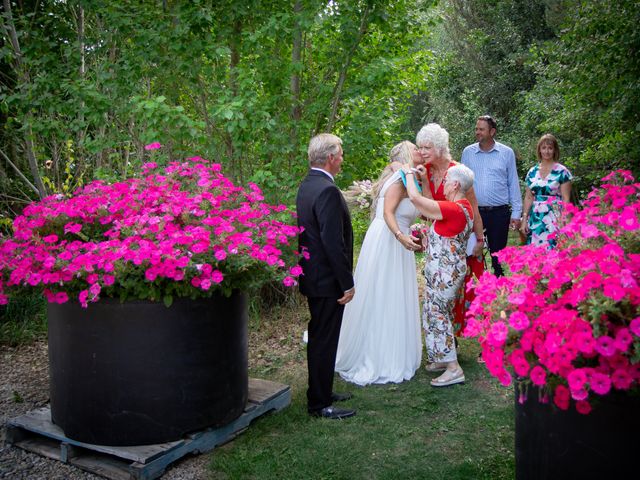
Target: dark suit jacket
x=327 y=236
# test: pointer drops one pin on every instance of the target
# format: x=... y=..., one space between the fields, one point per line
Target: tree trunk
x=296 y=56
x=23 y=77
x=337 y=91
x=81 y=72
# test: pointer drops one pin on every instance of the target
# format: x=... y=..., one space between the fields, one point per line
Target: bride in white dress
x=380 y=339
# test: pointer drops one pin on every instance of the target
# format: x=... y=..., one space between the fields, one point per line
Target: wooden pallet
x=36 y=433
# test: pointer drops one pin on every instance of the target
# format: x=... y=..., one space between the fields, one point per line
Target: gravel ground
x=24 y=385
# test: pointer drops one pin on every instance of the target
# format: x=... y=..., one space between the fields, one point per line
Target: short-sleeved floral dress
x=543 y=219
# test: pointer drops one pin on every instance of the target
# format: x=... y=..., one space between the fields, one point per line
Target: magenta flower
x=634 y=326
x=583 y=407
x=185 y=228
x=629 y=219
x=518 y=320
x=605 y=346
x=289 y=281
x=538 y=375
x=621 y=379
x=572 y=312
x=561 y=397
x=153 y=146
x=497 y=334
x=600 y=383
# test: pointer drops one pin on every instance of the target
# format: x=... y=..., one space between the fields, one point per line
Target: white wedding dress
x=380 y=340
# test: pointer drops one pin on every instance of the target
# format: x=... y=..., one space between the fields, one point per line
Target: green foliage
x=207 y=78
x=23 y=319
x=567 y=67
x=360 y=219
x=588 y=88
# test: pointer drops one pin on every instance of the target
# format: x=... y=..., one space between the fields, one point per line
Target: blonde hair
x=401 y=153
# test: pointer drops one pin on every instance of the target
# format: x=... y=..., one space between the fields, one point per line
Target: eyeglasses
x=424 y=148
x=489 y=119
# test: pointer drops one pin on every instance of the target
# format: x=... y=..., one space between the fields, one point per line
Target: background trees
x=85 y=84
x=569 y=67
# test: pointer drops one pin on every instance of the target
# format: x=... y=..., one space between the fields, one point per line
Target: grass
x=23 y=320
x=408 y=430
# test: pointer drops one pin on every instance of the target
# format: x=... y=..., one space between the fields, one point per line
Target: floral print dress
x=543 y=218
x=444 y=271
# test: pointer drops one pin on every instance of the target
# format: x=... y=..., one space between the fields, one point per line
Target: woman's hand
x=410 y=242
x=421 y=171
x=524 y=226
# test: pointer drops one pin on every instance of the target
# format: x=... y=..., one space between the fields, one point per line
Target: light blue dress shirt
x=496 y=177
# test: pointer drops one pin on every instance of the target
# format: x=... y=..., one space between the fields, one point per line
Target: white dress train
x=380 y=340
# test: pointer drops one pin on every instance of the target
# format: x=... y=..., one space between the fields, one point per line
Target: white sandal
x=448 y=378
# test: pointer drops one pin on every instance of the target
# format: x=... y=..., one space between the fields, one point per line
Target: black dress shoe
x=341 y=397
x=333 y=413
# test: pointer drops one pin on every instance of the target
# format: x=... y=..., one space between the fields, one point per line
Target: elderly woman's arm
x=478 y=227
x=392 y=198
x=427 y=207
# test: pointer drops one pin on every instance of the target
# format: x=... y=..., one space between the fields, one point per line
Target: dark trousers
x=496 y=225
x=324 y=332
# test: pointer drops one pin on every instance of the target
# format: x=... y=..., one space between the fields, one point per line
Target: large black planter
x=555 y=444
x=141 y=373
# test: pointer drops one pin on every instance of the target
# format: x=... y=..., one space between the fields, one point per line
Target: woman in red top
x=445 y=267
x=433 y=143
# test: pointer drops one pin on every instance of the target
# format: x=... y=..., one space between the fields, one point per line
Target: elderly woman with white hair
x=433 y=143
x=446 y=265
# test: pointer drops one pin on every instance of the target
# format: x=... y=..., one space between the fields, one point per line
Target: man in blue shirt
x=496 y=185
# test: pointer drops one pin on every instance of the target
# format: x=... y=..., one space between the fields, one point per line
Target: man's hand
x=515 y=224
x=347 y=297
x=477 y=250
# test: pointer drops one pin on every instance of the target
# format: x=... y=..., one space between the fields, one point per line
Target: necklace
x=437 y=177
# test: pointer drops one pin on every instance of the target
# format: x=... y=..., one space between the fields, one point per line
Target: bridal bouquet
x=418 y=230
x=567 y=320
x=358 y=195
x=181 y=231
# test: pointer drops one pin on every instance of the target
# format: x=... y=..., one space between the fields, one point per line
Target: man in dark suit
x=327 y=279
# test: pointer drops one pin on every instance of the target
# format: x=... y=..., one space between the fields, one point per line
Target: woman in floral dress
x=446 y=265
x=547 y=183
x=433 y=142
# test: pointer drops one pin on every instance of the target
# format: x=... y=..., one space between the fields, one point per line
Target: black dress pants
x=324 y=332
x=496 y=225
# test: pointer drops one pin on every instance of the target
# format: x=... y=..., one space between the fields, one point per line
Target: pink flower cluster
x=181 y=231
x=567 y=320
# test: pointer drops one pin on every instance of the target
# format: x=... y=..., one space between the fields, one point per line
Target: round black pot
x=564 y=444
x=141 y=373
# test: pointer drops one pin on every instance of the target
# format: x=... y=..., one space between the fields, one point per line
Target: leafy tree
x=588 y=88
x=241 y=83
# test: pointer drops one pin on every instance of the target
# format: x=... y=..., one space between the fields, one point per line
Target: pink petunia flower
x=561 y=397
x=538 y=376
x=634 y=326
x=600 y=383
x=583 y=407
x=518 y=321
